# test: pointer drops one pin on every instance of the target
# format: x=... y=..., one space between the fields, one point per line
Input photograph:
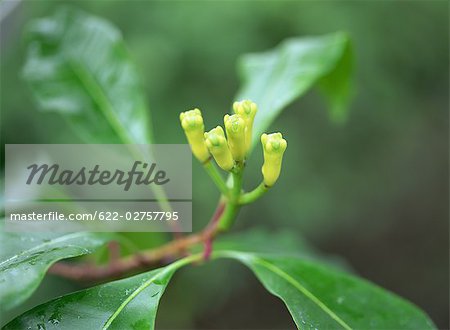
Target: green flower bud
x=218 y=147
x=247 y=110
x=192 y=123
x=235 y=127
x=273 y=147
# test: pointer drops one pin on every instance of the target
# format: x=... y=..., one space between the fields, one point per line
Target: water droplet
x=54 y=321
x=55 y=318
x=340 y=300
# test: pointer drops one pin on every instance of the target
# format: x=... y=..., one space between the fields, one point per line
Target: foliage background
x=374 y=190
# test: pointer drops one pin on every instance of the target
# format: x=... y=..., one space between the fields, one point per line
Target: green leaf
x=275 y=78
x=262 y=240
x=77 y=65
x=320 y=297
x=283 y=242
x=337 y=85
x=24 y=259
x=130 y=303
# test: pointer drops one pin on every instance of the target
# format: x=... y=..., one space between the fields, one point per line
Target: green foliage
x=264 y=241
x=77 y=65
x=126 y=304
x=275 y=78
x=319 y=297
x=25 y=258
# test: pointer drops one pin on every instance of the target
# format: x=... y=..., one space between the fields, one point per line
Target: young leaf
x=25 y=258
x=319 y=297
x=130 y=303
x=77 y=65
x=275 y=78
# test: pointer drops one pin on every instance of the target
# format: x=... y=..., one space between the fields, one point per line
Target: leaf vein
x=143 y=286
x=303 y=290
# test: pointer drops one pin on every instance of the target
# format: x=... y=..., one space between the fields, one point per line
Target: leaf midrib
x=88 y=80
x=99 y=97
x=172 y=267
x=302 y=289
x=111 y=319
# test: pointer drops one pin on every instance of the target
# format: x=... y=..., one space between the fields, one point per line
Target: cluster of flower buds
x=232 y=149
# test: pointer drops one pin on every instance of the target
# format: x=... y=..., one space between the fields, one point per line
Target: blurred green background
x=374 y=190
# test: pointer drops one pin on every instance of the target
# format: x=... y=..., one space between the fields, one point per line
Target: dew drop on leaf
x=54 y=321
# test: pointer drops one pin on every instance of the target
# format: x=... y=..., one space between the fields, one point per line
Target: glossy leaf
x=281 y=242
x=24 y=259
x=130 y=303
x=275 y=78
x=262 y=240
x=320 y=297
x=77 y=65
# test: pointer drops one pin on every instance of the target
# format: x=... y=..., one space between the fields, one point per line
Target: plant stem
x=232 y=207
x=222 y=220
x=237 y=183
x=144 y=259
x=253 y=195
x=216 y=177
x=228 y=216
